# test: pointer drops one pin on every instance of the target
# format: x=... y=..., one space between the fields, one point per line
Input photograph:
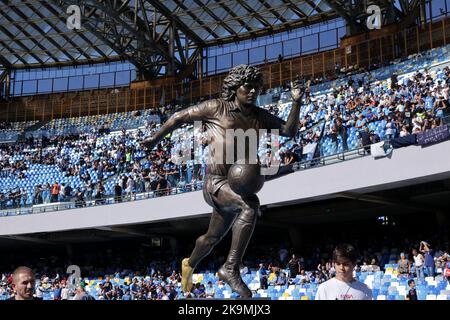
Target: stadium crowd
x=88 y=154
x=154 y=277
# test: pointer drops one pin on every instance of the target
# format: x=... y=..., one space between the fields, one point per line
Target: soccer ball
x=245 y=179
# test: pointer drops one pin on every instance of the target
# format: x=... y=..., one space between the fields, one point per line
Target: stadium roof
x=35 y=33
x=151 y=34
x=232 y=20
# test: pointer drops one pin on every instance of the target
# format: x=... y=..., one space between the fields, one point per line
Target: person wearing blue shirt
x=126 y=296
x=57 y=292
x=281 y=279
x=428 y=253
x=369 y=115
x=360 y=123
x=429 y=101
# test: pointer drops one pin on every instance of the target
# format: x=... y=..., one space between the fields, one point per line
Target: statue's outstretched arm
x=191 y=114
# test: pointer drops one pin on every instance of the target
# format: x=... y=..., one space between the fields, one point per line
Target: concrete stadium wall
x=407 y=166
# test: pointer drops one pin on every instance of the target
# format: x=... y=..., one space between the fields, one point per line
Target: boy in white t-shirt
x=344 y=286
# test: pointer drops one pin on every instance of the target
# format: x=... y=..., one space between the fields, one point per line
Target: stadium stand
x=157 y=278
x=79 y=153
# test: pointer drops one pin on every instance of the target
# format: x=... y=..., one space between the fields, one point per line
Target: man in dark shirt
x=394 y=81
x=412 y=293
x=118 y=192
x=235 y=110
x=162 y=185
x=2 y=201
x=350 y=82
x=107 y=286
x=68 y=192
x=172 y=292
x=79 y=199
x=374 y=137
x=154 y=185
x=294 y=266
x=365 y=139
x=342 y=131
x=263 y=281
x=38 y=194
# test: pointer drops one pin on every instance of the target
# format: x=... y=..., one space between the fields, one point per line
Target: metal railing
x=107 y=200
x=446 y=120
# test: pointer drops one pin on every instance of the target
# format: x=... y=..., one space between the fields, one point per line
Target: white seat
x=402 y=292
x=429 y=279
x=253 y=286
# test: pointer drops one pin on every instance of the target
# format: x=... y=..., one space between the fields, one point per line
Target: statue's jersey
x=219 y=116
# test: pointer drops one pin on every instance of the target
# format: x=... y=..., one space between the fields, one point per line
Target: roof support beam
x=254 y=13
x=404 y=5
x=28 y=35
x=200 y=22
x=118 y=26
x=171 y=16
x=40 y=31
x=213 y=15
x=2 y=75
x=63 y=35
x=80 y=34
x=20 y=44
x=14 y=53
x=295 y=9
x=278 y=28
x=234 y=15
x=345 y=13
x=273 y=11
x=314 y=6
x=180 y=48
x=5 y=63
x=5 y=82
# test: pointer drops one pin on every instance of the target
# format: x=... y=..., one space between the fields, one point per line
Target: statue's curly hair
x=237 y=77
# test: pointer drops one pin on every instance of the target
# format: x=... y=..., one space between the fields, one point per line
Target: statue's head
x=244 y=83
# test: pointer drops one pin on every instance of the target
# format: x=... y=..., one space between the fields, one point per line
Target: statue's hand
x=297 y=90
x=149 y=143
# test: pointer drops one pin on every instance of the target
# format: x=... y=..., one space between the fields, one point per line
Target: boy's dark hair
x=237 y=77
x=346 y=251
x=410 y=281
